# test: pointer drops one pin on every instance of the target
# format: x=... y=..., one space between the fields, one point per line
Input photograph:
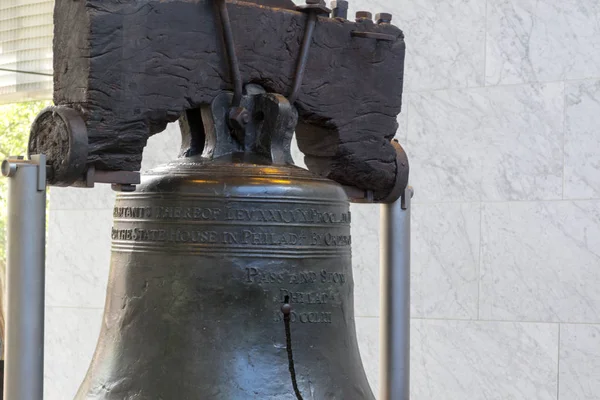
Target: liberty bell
x=231 y=271
x=231 y=275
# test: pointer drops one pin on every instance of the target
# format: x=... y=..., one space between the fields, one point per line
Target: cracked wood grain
x=131 y=67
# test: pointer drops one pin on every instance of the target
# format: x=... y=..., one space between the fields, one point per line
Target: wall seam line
x=485 y=35
x=479 y=261
x=505 y=85
x=558 y=366
x=564 y=139
x=533 y=201
x=509 y=321
x=74 y=307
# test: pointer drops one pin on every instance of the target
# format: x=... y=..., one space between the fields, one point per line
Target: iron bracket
x=356 y=195
x=374 y=35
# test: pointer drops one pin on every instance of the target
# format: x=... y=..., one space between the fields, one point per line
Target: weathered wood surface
x=132 y=66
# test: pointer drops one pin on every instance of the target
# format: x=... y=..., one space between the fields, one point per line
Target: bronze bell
x=231 y=276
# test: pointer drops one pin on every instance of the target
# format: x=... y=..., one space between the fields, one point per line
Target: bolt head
x=319 y=8
x=8 y=168
x=239 y=117
x=361 y=15
x=384 y=18
x=339 y=4
x=122 y=187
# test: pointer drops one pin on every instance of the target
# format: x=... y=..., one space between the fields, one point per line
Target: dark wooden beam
x=131 y=67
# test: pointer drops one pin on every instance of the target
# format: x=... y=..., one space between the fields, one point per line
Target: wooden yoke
x=129 y=67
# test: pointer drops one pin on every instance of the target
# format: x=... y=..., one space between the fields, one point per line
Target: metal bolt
x=315 y=7
x=239 y=117
x=363 y=15
x=8 y=168
x=383 y=18
x=123 y=187
x=340 y=9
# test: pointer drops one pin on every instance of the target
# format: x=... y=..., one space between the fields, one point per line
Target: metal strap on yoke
x=311 y=23
x=233 y=61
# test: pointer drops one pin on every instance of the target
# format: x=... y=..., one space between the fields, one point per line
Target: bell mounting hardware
x=133 y=66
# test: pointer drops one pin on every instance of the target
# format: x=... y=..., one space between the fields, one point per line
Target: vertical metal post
x=395 y=299
x=24 y=347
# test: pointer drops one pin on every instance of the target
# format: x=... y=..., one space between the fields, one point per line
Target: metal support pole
x=395 y=299
x=24 y=347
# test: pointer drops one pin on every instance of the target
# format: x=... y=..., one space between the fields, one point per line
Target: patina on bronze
x=210 y=256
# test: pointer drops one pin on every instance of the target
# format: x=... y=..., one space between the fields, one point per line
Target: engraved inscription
x=320 y=289
x=301 y=278
x=332 y=277
x=159 y=212
x=254 y=275
x=261 y=238
x=305 y=297
x=331 y=240
x=165 y=235
x=229 y=213
x=288 y=216
x=197 y=213
x=305 y=317
x=250 y=237
x=132 y=212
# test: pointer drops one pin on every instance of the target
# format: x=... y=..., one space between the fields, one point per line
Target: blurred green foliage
x=15 y=121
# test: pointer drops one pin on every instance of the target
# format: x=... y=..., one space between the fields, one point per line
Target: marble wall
x=501 y=118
